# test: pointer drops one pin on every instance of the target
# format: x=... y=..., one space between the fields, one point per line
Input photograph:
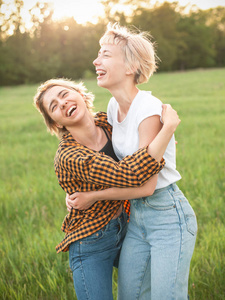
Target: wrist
x=169 y=128
x=98 y=195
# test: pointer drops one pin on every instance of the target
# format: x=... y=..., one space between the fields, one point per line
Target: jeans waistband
x=172 y=186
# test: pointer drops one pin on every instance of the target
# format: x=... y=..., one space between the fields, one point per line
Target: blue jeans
x=157 y=250
x=92 y=260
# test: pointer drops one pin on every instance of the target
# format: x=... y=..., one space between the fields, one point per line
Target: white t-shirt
x=125 y=136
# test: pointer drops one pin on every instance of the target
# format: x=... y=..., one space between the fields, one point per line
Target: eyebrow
x=99 y=52
x=50 y=105
x=53 y=100
x=59 y=94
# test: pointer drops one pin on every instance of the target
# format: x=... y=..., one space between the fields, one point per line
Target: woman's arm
x=133 y=170
x=84 y=200
x=159 y=136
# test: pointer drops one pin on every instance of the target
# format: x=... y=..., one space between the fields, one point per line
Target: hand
x=80 y=200
x=69 y=201
x=170 y=117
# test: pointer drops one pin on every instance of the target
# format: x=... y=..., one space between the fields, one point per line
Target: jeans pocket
x=160 y=201
x=189 y=216
x=94 y=238
x=191 y=224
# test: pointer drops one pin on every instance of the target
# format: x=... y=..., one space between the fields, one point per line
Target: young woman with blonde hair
x=159 y=244
x=85 y=161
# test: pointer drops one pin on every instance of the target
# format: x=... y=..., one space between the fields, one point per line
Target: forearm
x=158 y=146
x=126 y=193
x=99 y=169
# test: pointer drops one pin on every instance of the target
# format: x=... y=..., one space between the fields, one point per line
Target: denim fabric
x=92 y=260
x=157 y=250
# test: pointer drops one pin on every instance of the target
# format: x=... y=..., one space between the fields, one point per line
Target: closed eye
x=53 y=107
x=64 y=94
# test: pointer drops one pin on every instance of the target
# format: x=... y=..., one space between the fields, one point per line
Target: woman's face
x=110 y=66
x=65 y=106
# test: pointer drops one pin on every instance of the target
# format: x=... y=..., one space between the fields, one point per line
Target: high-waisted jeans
x=158 y=247
x=92 y=260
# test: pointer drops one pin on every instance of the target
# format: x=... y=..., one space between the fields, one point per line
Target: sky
x=88 y=10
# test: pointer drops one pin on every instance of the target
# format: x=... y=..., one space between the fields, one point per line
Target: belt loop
x=171 y=187
x=174 y=186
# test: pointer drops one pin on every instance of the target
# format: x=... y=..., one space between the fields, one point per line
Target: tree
x=65 y=48
x=121 y=11
x=11 y=19
x=215 y=19
x=197 y=39
x=14 y=45
x=161 y=22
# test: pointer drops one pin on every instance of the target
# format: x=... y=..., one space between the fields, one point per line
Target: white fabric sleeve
x=110 y=112
x=148 y=107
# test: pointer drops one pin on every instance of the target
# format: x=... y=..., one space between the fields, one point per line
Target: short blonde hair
x=140 y=56
x=67 y=83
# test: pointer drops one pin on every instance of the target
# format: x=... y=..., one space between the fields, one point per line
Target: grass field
x=32 y=204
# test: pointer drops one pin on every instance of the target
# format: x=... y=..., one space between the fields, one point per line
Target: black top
x=108 y=148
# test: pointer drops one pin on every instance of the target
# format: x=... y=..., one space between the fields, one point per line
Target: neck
x=124 y=96
x=88 y=134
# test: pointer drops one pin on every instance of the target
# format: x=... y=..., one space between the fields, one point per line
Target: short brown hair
x=67 y=83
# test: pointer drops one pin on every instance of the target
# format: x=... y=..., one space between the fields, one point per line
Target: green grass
x=32 y=204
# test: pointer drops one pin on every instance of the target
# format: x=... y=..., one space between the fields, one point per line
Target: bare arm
x=84 y=200
x=159 y=142
x=157 y=138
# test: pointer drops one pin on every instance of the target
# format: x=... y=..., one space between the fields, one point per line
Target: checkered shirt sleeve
x=80 y=169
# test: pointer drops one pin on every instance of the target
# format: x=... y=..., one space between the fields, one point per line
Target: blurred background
x=44 y=39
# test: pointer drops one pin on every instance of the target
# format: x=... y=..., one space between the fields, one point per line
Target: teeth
x=71 y=110
x=100 y=73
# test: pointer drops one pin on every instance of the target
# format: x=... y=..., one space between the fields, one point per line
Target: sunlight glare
x=82 y=11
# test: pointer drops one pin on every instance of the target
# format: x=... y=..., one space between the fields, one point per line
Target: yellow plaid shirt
x=81 y=169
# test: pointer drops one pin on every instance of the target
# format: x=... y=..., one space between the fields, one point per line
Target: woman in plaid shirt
x=94 y=236
x=159 y=244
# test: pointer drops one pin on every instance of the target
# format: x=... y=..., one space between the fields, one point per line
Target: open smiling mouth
x=100 y=73
x=71 y=110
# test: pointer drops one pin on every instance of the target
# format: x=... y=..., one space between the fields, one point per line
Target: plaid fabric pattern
x=81 y=169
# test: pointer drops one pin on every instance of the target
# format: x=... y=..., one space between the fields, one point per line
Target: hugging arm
x=133 y=170
x=158 y=140
x=83 y=200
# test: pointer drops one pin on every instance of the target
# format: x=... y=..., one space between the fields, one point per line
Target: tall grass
x=32 y=204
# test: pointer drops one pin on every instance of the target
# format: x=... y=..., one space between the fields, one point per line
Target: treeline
x=66 y=49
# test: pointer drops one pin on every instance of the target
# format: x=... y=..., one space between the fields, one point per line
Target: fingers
x=170 y=116
x=67 y=197
x=72 y=196
x=165 y=105
x=69 y=206
x=70 y=203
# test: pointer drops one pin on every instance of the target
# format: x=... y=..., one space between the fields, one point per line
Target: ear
x=129 y=72
x=59 y=126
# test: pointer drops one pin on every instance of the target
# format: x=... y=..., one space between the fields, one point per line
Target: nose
x=96 y=61
x=63 y=104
